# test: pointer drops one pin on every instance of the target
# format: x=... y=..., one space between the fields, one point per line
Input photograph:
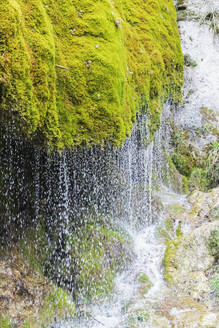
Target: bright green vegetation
x=145 y=283
x=98 y=252
x=169 y=258
x=121 y=56
x=179 y=230
x=164 y=233
x=5 y=322
x=57 y=304
x=178 y=181
x=184 y=157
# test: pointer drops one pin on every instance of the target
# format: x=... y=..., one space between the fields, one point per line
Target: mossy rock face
x=84 y=262
x=198 y=167
x=27 y=298
x=189 y=252
x=98 y=253
x=213 y=244
x=77 y=71
x=178 y=182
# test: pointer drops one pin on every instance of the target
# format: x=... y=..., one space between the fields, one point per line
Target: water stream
x=144 y=167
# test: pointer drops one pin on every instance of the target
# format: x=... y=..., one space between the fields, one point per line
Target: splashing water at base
x=127 y=297
x=148 y=261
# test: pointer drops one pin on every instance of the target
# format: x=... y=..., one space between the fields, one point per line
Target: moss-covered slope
x=120 y=55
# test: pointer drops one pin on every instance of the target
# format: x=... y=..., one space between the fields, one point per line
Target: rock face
x=191 y=266
x=195 y=124
x=37 y=278
x=94 y=254
x=188 y=296
x=77 y=72
x=27 y=299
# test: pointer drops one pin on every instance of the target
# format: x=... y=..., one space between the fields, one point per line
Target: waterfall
x=142 y=166
x=65 y=191
x=103 y=187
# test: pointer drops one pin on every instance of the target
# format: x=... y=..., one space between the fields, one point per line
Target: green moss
x=163 y=233
x=183 y=162
x=179 y=230
x=52 y=302
x=185 y=184
x=57 y=305
x=199 y=169
x=215 y=283
x=185 y=157
x=166 y=230
x=35 y=247
x=98 y=252
x=169 y=224
x=213 y=244
x=169 y=258
x=178 y=181
x=5 y=322
x=176 y=209
x=145 y=283
x=199 y=179
x=120 y=56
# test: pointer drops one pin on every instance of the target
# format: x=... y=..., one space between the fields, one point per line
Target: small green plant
x=213 y=244
x=179 y=230
x=163 y=233
x=5 y=322
x=145 y=283
x=215 y=286
x=199 y=179
x=215 y=283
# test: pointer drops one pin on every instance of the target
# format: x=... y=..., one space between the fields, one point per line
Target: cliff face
x=120 y=56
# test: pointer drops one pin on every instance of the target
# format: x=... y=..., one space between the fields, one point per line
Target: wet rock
x=187 y=313
x=205 y=207
x=189 y=253
x=190 y=264
x=189 y=62
x=181 y=16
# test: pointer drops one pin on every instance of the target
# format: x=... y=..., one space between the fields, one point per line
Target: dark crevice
x=182 y=7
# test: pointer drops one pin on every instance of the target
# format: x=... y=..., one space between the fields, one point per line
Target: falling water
x=138 y=163
x=79 y=185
